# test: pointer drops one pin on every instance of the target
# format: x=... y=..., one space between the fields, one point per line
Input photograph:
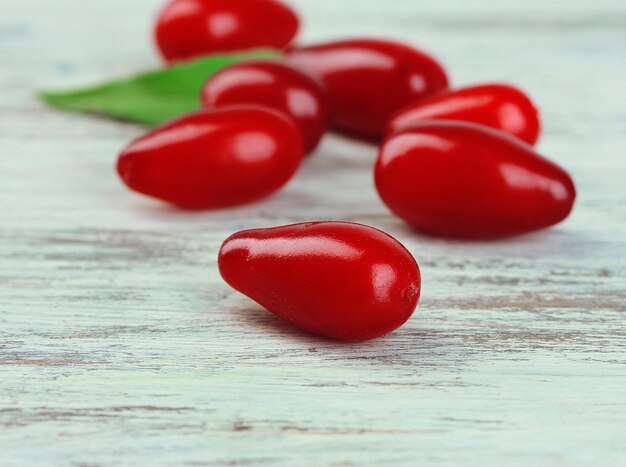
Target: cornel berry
x=368 y=80
x=275 y=85
x=191 y=28
x=498 y=106
x=341 y=280
x=468 y=181
x=214 y=159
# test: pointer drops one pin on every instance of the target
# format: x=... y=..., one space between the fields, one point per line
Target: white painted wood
x=119 y=343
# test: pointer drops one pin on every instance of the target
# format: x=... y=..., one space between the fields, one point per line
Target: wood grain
x=119 y=343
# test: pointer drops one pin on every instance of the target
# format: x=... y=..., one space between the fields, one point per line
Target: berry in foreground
x=341 y=280
x=214 y=159
x=462 y=180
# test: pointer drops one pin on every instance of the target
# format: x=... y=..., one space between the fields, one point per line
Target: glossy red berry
x=190 y=28
x=337 y=279
x=497 y=106
x=275 y=85
x=368 y=80
x=469 y=181
x=214 y=159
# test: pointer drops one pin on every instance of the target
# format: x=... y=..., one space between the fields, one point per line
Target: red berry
x=190 y=28
x=497 y=106
x=337 y=279
x=214 y=159
x=369 y=80
x=275 y=85
x=469 y=181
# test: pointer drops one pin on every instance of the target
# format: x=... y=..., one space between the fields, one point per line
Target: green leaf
x=151 y=98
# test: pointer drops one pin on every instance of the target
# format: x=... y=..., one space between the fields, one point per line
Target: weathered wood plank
x=119 y=344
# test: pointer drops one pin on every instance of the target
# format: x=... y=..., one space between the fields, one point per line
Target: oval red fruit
x=275 y=85
x=190 y=28
x=368 y=80
x=337 y=279
x=214 y=159
x=497 y=106
x=469 y=181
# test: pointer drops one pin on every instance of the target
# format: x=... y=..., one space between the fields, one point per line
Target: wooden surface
x=119 y=343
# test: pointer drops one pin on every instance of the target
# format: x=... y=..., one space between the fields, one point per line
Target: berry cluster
x=452 y=162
